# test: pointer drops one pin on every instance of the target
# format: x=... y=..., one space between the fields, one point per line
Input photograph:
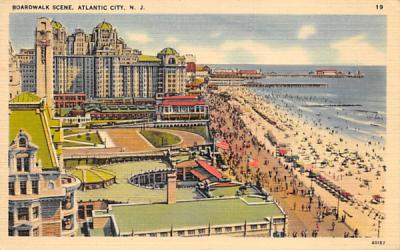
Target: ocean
x=364 y=122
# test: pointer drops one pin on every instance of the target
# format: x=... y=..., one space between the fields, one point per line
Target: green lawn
x=73 y=144
x=92 y=138
x=63 y=111
x=225 y=191
x=190 y=214
x=125 y=192
x=200 y=130
x=52 y=122
x=31 y=122
x=91 y=177
x=74 y=163
x=160 y=139
x=73 y=131
x=77 y=173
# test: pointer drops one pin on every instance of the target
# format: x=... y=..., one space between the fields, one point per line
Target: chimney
x=171 y=189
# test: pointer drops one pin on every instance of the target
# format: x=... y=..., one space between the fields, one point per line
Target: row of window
x=23 y=187
x=23 y=214
x=204 y=231
x=24 y=232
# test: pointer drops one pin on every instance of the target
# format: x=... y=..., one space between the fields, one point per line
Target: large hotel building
x=100 y=64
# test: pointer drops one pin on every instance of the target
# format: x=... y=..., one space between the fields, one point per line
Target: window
x=191 y=232
x=35 y=232
x=50 y=185
x=35 y=187
x=238 y=228
x=89 y=209
x=22 y=186
x=11 y=217
x=22 y=142
x=23 y=232
x=10 y=232
x=26 y=164
x=23 y=213
x=181 y=233
x=202 y=231
x=253 y=227
x=228 y=229
x=19 y=164
x=35 y=212
x=164 y=234
x=218 y=230
x=11 y=188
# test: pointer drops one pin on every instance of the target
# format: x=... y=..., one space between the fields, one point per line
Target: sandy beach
x=356 y=167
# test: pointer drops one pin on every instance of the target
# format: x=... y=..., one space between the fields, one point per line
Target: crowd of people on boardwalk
x=273 y=175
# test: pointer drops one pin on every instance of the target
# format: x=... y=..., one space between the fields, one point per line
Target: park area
x=160 y=139
x=122 y=191
x=81 y=138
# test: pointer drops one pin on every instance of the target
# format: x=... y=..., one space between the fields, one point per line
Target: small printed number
x=379 y=6
x=378 y=242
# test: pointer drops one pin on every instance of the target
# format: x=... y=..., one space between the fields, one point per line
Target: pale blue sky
x=251 y=39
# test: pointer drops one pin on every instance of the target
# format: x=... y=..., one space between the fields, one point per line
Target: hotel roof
x=147 y=58
x=168 y=51
x=26 y=97
x=180 y=103
x=104 y=26
x=184 y=214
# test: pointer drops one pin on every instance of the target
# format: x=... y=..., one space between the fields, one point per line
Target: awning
x=210 y=169
x=223 y=145
x=199 y=175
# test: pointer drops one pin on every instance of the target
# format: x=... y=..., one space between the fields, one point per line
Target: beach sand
x=362 y=174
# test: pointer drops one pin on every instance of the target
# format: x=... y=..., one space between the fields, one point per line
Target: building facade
x=182 y=108
x=27 y=64
x=15 y=81
x=99 y=64
x=41 y=195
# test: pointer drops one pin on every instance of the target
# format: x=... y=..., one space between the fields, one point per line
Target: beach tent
x=223 y=145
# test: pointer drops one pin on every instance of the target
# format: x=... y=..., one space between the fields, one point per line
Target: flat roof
x=26 y=97
x=184 y=214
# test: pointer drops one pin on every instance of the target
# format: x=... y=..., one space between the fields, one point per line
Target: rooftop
x=92 y=174
x=147 y=58
x=33 y=124
x=104 y=26
x=152 y=217
x=56 y=25
x=168 y=51
x=180 y=97
x=26 y=97
x=183 y=103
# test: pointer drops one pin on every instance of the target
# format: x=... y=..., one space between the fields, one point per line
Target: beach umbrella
x=254 y=163
x=223 y=145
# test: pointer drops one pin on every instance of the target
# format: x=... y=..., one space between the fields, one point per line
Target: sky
x=235 y=39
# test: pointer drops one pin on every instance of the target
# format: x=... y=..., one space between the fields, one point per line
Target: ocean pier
x=285 y=85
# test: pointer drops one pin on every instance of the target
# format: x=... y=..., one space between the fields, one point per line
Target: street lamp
x=337 y=212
